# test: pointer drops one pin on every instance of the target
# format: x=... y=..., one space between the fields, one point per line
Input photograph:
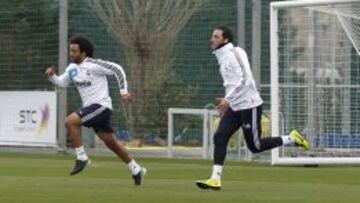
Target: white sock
x=288 y=140
x=134 y=167
x=216 y=173
x=80 y=153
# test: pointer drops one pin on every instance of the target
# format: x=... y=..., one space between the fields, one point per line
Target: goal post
x=315 y=82
x=191 y=133
x=203 y=113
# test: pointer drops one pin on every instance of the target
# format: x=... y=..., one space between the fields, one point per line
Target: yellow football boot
x=299 y=140
x=209 y=184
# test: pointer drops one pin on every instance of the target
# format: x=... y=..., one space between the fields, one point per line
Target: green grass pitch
x=44 y=178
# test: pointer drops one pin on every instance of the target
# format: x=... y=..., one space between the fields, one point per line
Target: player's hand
x=50 y=71
x=223 y=106
x=126 y=98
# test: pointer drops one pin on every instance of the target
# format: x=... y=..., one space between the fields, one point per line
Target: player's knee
x=254 y=149
x=70 y=122
x=67 y=123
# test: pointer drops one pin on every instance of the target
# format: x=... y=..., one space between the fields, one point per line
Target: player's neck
x=82 y=59
x=221 y=45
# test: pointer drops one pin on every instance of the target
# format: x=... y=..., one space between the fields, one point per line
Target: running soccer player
x=89 y=77
x=241 y=107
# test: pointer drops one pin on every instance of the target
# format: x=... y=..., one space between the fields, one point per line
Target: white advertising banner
x=27 y=118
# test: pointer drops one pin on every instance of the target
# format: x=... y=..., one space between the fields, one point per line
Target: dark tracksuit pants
x=250 y=121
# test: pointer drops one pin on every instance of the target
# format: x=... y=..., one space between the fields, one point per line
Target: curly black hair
x=85 y=45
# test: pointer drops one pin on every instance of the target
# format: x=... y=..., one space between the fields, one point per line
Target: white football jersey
x=240 y=88
x=89 y=77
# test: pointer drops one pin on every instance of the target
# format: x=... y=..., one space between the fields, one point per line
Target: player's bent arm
x=120 y=76
x=230 y=96
x=60 y=81
x=110 y=68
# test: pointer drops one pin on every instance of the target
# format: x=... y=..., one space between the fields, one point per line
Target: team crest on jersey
x=78 y=80
x=73 y=73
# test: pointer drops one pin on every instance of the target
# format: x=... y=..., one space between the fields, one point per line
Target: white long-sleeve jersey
x=240 y=88
x=89 y=77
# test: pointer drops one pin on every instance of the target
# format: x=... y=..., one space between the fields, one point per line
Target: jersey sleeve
x=110 y=68
x=240 y=64
x=62 y=80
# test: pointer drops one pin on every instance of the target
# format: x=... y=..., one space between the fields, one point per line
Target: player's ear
x=226 y=40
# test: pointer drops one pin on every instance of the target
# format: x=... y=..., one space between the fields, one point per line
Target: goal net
x=191 y=131
x=188 y=132
x=315 y=79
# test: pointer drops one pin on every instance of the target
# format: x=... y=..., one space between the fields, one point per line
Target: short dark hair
x=85 y=45
x=227 y=33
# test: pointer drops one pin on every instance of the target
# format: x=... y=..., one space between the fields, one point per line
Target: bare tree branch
x=148 y=29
